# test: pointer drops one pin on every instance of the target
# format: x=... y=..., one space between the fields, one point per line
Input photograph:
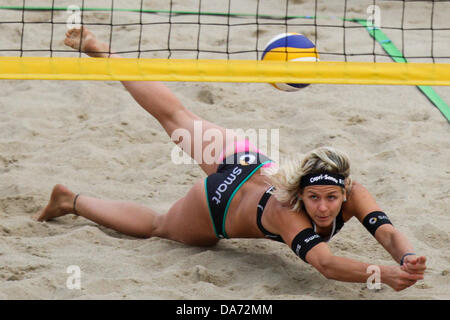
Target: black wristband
x=374 y=220
x=406 y=254
x=304 y=241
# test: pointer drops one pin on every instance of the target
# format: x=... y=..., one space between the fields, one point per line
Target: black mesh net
x=230 y=29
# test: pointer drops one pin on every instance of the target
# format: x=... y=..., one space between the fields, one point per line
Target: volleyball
x=290 y=47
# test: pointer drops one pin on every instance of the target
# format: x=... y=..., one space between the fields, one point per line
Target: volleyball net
x=359 y=41
x=359 y=33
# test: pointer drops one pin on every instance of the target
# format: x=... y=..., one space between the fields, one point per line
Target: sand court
x=94 y=138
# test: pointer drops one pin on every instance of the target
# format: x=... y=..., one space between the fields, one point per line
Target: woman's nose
x=322 y=206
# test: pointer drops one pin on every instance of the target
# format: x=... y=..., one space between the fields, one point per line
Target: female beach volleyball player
x=303 y=204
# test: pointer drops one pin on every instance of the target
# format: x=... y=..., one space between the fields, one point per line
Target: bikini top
x=338 y=222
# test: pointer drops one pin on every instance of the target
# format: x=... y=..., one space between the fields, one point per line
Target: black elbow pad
x=304 y=241
x=374 y=220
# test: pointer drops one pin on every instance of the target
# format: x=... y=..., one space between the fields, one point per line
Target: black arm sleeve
x=374 y=220
x=304 y=241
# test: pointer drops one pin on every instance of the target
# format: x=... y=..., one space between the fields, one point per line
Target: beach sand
x=93 y=137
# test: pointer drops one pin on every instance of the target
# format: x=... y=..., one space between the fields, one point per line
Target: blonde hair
x=286 y=178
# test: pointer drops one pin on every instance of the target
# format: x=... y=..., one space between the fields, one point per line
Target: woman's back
x=241 y=218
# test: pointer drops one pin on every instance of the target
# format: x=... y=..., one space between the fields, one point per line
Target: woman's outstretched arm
x=362 y=204
x=309 y=246
x=349 y=270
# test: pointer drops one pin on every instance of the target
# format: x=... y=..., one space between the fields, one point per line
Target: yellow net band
x=127 y=69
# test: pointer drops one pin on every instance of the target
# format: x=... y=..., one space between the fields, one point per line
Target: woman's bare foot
x=81 y=39
x=60 y=204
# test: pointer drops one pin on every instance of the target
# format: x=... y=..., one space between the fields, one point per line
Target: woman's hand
x=398 y=279
x=414 y=264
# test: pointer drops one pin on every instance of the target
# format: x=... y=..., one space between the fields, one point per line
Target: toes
x=73 y=33
x=73 y=38
x=71 y=42
x=37 y=216
x=70 y=31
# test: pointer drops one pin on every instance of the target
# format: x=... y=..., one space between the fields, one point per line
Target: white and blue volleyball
x=290 y=47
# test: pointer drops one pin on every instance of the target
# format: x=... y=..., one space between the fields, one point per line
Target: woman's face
x=323 y=203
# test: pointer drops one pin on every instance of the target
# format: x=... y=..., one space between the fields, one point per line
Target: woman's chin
x=321 y=222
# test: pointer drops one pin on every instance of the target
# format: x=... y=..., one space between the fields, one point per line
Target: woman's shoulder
x=356 y=185
x=359 y=202
x=357 y=191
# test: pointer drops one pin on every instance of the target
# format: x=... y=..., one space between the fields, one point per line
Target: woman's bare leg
x=124 y=217
x=162 y=104
x=136 y=220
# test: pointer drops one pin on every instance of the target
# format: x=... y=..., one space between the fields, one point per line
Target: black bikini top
x=261 y=205
x=338 y=222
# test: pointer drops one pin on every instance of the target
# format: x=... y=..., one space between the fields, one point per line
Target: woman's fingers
x=422 y=259
x=415 y=268
x=413 y=276
x=415 y=265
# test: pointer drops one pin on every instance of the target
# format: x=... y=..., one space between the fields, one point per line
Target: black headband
x=322 y=179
